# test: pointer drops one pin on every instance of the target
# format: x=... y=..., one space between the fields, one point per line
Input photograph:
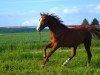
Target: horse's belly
x=70 y=43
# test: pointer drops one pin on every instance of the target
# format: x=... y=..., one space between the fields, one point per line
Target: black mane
x=56 y=18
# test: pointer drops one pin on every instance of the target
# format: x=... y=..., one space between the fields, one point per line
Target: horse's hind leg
x=87 y=45
x=73 y=53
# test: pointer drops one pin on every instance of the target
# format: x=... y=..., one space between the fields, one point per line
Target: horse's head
x=43 y=22
x=49 y=20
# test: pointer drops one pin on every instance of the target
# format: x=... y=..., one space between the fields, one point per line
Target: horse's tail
x=95 y=32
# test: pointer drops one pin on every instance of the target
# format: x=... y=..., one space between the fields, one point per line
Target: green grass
x=22 y=54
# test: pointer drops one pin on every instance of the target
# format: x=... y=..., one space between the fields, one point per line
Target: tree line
x=94 y=22
x=19 y=30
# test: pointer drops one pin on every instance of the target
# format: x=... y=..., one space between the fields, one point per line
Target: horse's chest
x=53 y=39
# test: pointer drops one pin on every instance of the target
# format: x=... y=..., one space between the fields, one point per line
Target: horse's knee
x=89 y=54
x=89 y=57
x=44 y=56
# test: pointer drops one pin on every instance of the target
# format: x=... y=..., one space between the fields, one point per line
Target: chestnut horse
x=62 y=36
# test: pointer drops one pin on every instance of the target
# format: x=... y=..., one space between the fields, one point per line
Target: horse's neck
x=55 y=28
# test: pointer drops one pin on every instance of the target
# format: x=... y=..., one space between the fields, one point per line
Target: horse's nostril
x=38 y=29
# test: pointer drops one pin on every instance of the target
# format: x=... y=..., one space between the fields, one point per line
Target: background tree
x=95 y=22
x=85 y=22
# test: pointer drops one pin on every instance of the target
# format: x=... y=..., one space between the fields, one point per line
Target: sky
x=27 y=12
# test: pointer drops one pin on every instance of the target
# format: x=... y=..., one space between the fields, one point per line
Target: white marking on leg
x=66 y=62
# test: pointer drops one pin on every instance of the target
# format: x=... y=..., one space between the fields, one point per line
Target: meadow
x=22 y=54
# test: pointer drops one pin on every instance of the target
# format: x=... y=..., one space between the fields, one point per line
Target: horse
x=62 y=36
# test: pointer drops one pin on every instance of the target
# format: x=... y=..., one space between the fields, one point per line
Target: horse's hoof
x=88 y=65
x=63 y=65
x=42 y=66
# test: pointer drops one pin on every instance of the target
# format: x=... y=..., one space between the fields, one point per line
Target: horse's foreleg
x=73 y=53
x=46 y=47
x=53 y=49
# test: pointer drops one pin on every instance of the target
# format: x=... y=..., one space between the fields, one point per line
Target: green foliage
x=85 y=22
x=95 y=22
x=22 y=54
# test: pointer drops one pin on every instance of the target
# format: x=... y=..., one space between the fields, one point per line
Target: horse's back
x=74 y=37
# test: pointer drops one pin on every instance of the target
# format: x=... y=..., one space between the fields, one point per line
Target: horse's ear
x=47 y=13
x=44 y=13
x=41 y=14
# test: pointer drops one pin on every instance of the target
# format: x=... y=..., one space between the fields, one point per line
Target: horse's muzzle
x=38 y=29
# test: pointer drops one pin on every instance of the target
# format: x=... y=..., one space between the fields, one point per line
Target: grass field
x=21 y=54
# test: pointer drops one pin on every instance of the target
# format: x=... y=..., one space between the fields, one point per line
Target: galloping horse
x=62 y=36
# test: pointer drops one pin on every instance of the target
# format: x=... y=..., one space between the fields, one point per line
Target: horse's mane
x=56 y=19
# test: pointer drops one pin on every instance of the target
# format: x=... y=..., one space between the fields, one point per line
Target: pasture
x=22 y=54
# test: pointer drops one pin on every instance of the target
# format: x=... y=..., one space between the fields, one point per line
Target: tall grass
x=21 y=54
x=13 y=41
